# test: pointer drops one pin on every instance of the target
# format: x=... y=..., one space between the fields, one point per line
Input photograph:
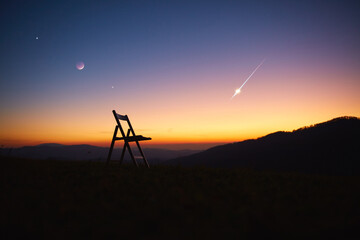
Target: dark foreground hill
x=331 y=147
x=89 y=200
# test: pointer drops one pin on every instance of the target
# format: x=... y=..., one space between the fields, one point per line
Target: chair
x=129 y=137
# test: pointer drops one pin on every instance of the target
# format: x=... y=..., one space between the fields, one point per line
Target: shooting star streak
x=237 y=91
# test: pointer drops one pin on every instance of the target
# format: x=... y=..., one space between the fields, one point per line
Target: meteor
x=237 y=91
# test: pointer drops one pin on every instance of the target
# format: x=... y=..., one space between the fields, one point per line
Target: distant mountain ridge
x=331 y=147
x=50 y=145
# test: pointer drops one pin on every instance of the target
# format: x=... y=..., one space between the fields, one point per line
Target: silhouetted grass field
x=57 y=199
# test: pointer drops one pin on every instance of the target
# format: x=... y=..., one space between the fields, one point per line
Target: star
x=37 y=38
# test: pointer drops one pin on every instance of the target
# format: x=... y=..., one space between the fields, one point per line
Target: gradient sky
x=172 y=66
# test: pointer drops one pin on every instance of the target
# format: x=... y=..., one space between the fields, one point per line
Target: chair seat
x=133 y=138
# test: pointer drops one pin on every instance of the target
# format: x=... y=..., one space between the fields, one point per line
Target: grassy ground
x=55 y=199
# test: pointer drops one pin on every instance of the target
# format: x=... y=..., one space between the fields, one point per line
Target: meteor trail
x=237 y=91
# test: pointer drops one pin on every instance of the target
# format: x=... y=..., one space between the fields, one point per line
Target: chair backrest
x=119 y=117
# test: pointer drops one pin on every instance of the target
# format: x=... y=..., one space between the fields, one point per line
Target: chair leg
x=131 y=154
x=123 y=153
x=142 y=154
x=112 y=145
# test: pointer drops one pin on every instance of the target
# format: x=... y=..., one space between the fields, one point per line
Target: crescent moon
x=80 y=65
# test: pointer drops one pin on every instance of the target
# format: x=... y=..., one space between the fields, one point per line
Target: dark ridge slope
x=330 y=147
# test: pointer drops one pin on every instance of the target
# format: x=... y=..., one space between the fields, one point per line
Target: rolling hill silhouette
x=330 y=147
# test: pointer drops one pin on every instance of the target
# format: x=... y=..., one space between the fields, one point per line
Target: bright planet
x=80 y=65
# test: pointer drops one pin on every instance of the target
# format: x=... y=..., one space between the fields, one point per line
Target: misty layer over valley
x=53 y=151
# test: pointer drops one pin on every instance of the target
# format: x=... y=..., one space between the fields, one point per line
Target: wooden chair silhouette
x=129 y=137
